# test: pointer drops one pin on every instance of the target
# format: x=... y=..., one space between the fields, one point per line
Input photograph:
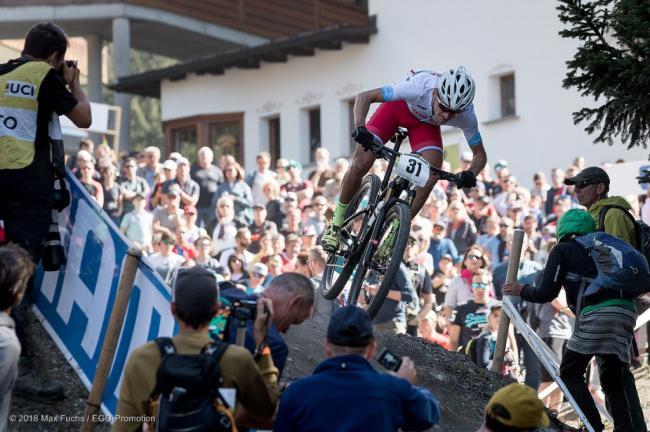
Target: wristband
x=262 y=350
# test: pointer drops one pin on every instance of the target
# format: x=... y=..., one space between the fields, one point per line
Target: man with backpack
x=610 y=213
x=605 y=317
x=190 y=380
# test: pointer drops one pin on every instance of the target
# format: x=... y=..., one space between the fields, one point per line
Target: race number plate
x=413 y=168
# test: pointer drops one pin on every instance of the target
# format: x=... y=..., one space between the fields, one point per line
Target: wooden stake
x=110 y=340
x=504 y=323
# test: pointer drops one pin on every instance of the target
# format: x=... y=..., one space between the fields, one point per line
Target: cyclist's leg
x=426 y=140
x=383 y=123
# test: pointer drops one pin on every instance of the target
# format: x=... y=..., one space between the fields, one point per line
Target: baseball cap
x=189 y=209
x=291 y=196
x=139 y=195
x=175 y=156
x=182 y=161
x=195 y=291
x=594 y=174
x=439 y=223
x=500 y=164
x=447 y=257
x=260 y=269
x=172 y=192
x=169 y=164
x=517 y=405
x=259 y=206
x=350 y=326
x=294 y=164
x=494 y=304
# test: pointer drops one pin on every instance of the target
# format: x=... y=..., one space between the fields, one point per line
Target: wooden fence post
x=511 y=276
x=115 y=323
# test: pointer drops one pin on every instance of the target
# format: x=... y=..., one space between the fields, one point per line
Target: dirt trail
x=462 y=388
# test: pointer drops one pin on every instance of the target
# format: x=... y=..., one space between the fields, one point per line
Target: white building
x=511 y=47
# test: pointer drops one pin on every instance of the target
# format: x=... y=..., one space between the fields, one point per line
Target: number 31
x=413 y=166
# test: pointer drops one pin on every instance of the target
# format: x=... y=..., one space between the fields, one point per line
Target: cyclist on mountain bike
x=421 y=102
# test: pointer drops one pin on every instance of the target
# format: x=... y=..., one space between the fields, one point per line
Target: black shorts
x=558 y=346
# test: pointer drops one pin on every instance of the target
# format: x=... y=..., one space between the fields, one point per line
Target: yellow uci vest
x=18 y=112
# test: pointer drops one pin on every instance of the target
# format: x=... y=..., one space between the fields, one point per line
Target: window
x=185 y=140
x=225 y=139
x=223 y=133
x=507 y=88
x=314 y=133
x=274 y=139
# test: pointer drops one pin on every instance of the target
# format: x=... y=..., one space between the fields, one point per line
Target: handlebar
x=372 y=143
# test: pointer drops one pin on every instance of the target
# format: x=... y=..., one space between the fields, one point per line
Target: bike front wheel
x=341 y=265
x=371 y=284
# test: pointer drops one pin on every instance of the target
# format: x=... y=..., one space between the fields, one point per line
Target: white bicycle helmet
x=456 y=89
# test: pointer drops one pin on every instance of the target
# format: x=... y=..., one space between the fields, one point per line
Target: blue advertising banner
x=75 y=304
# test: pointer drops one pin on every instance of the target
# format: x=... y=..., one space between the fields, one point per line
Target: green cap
x=576 y=221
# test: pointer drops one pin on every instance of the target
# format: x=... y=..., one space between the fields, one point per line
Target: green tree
x=146 y=126
x=611 y=64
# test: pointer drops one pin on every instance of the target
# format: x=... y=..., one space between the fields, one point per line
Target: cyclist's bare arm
x=479 y=158
x=362 y=105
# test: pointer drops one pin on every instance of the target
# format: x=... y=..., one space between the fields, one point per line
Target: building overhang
x=303 y=44
x=152 y=30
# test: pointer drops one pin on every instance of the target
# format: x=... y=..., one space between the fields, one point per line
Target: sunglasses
x=474 y=257
x=584 y=184
x=482 y=285
x=445 y=109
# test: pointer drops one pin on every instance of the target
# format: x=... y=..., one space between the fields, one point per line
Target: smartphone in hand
x=389 y=360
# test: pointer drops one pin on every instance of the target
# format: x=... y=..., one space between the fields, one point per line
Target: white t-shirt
x=416 y=89
x=137 y=227
x=258 y=182
x=165 y=265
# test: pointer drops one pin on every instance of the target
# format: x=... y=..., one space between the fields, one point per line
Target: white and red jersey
x=416 y=89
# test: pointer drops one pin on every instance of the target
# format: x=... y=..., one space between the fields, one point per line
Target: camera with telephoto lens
x=245 y=310
x=389 y=360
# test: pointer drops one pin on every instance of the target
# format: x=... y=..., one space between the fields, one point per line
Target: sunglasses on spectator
x=504 y=225
x=224 y=205
x=584 y=184
x=482 y=285
x=474 y=257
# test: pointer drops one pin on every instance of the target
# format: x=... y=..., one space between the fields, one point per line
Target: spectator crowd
x=249 y=227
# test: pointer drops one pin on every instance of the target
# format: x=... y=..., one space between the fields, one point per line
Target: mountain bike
x=376 y=227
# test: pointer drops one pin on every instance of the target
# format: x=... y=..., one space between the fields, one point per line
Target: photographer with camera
x=194 y=304
x=37 y=88
x=292 y=295
x=347 y=393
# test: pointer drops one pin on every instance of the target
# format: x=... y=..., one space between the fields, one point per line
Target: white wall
x=417 y=34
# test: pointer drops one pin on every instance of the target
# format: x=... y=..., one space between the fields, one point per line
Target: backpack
x=641 y=230
x=620 y=266
x=186 y=396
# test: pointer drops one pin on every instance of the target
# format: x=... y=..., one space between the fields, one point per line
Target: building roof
x=183 y=29
x=303 y=44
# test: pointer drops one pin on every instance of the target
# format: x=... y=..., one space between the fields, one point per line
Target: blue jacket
x=345 y=393
x=438 y=248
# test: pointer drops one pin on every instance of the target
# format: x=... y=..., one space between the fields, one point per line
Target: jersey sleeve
x=409 y=89
x=468 y=123
x=54 y=95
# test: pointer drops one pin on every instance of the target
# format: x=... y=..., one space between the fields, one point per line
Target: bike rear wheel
x=374 y=282
x=341 y=264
